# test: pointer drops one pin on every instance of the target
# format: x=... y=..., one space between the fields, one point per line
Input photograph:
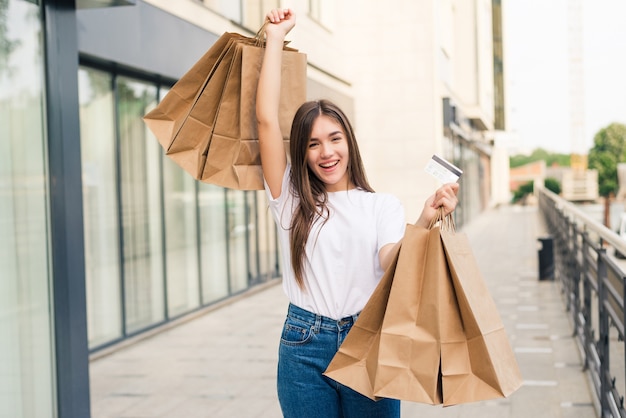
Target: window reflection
x=158 y=243
x=237 y=228
x=26 y=340
x=181 y=228
x=249 y=13
x=266 y=232
x=100 y=206
x=141 y=207
x=212 y=242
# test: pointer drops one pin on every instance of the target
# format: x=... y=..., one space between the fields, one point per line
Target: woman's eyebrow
x=329 y=135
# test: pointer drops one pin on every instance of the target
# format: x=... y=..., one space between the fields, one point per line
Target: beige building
x=416 y=78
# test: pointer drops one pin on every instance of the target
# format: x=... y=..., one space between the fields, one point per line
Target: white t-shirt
x=342 y=267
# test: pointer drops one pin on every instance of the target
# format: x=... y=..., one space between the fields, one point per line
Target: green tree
x=552 y=184
x=539 y=154
x=609 y=149
x=522 y=191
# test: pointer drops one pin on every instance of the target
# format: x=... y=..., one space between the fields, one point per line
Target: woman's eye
x=312 y=144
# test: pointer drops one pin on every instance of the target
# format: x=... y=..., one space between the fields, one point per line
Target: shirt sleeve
x=391 y=221
x=284 y=187
x=278 y=205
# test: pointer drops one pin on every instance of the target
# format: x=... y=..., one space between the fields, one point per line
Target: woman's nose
x=326 y=149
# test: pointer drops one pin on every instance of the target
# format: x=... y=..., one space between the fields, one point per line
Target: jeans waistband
x=320 y=321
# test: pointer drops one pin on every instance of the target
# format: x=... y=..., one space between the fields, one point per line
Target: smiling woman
x=336 y=237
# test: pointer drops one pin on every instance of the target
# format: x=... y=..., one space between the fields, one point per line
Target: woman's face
x=328 y=154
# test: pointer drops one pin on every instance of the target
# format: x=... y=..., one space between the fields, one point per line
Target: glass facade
x=471 y=196
x=249 y=13
x=158 y=244
x=140 y=206
x=181 y=243
x=100 y=206
x=27 y=374
x=213 y=236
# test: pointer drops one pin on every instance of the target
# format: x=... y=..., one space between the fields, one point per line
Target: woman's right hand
x=281 y=22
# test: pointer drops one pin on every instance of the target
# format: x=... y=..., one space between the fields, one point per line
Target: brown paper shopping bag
x=167 y=119
x=440 y=342
x=233 y=158
x=220 y=92
x=355 y=363
x=411 y=336
x=493 y=371
x=358 y=360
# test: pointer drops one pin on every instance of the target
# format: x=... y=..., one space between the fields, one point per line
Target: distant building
x=533 y=172
x=576 y=185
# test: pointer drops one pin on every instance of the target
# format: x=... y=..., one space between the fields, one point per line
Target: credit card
x=443 y=170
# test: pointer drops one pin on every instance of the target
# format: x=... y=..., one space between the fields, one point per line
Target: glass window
x=267 y=251
x=141 y=207
x=249 y=13
x=254 y=12
x=252 y=229
x=237 y=231
x=100 y=206
x=323 y=12
x=213 y=257
x=227 y=8
x=26 y=339
x=181 y=239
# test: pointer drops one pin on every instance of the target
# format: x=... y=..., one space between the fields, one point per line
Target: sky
x=537 y=71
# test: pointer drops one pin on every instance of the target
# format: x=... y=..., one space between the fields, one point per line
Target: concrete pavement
x=223 y=363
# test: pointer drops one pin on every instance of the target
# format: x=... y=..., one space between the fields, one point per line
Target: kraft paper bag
x=493 y=371
x=355 y=363
x=167 y=119
x=219 y=92
x=233 y=158
x=441 y=340
x=411 y=339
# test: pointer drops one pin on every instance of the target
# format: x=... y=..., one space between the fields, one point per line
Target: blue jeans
x=307 y=346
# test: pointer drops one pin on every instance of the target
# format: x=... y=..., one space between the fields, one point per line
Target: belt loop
x=318 y=323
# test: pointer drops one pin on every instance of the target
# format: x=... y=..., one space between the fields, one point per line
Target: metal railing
x=593 y=284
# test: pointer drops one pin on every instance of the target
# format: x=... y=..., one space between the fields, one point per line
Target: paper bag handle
x=260 y=34
x=259 y=38
x=446 y=222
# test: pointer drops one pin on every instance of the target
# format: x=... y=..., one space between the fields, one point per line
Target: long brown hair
x=307 y=187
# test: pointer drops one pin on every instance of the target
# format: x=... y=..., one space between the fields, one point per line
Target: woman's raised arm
x=273 y=158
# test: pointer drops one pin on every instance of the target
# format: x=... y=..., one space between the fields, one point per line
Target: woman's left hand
x=444 y=197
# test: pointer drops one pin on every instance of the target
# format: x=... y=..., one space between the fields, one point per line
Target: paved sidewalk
x=223 y=363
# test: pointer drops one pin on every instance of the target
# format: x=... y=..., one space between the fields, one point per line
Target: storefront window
x=267 y=250
x=26 y=340
x=100 y=206
x=237 y=228
x=213 y=246
x=252 y=231
x=248 y=13
x=181 y=238
x=141 y=207
x=323 y=12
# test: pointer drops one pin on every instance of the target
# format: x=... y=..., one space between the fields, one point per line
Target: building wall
x=398 y=111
